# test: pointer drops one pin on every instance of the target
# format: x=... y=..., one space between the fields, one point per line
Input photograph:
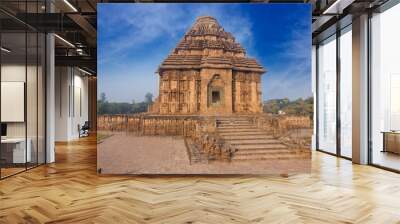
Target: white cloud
x=299 y=48
x=144 y=24
x=294 y=79
x=149 y=22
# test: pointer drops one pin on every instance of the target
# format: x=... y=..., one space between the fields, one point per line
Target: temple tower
x=208 y=73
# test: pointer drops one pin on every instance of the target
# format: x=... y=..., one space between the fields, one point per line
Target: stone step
x=252 y=141
x=260 y=146
x=252 y=133
x=238 y=130
x=236 y=126
x=234 y=122
x=270 y=157
x=267 y=151
x=233 y=119
x=247 y=137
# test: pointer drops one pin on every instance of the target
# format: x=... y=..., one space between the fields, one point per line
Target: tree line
x=303 y=107
x=105 y=107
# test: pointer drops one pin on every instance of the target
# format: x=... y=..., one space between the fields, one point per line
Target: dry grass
x=102 y=135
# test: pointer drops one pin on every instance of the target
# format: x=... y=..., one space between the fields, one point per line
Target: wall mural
x=231 y=96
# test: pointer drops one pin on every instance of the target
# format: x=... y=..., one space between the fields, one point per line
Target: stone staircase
x=194 y=152
x=253 y=143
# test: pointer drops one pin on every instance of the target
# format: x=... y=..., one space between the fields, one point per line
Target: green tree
x=299 y=106
x=103 y=97
x=148 y=98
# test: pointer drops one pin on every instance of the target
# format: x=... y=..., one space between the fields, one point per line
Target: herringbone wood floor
x=70 y=191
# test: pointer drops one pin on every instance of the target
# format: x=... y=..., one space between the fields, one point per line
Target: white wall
x=71 y=102
x=33 y=126
x=62 y=82
x=16 y=73
x=9 y=73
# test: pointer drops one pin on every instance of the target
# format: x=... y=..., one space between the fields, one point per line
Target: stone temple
x=208 y=73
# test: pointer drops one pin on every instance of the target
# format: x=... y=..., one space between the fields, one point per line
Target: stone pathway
x=122 y=153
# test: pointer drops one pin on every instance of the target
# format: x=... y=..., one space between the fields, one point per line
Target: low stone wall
x=295 y=131
x=149 y=124
x=199 y=130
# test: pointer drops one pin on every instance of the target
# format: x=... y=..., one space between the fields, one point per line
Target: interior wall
x=16 y=72
x=71 y=102
x=80 y=102
x=62 y=82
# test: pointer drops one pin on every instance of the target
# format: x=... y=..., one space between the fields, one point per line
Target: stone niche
x=217 y=89
x=208 y=73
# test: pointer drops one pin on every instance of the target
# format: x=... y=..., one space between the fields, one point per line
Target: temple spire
x=207 y=44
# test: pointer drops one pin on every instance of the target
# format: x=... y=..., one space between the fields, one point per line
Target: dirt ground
x=128 y=154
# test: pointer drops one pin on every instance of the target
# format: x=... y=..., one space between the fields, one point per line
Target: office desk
x=391 y=141
x=13 y=150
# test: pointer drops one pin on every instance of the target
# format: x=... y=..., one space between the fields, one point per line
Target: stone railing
x=211 y=144
x=294 y=131
x=197 y=130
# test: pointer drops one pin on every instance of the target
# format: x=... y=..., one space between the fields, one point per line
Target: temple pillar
x=254 y=97
x=192 y=94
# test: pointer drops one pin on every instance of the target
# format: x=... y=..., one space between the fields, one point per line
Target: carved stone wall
x=247 y=92
x=178 y=92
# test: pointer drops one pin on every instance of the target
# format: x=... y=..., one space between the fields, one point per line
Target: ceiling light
x=79 y=51
x=84 y=71
x=64 y=40
x=5 y=50
x=70 y=5
x=338 y=6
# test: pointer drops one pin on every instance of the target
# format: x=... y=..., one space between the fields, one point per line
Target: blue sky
x=133 y=39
